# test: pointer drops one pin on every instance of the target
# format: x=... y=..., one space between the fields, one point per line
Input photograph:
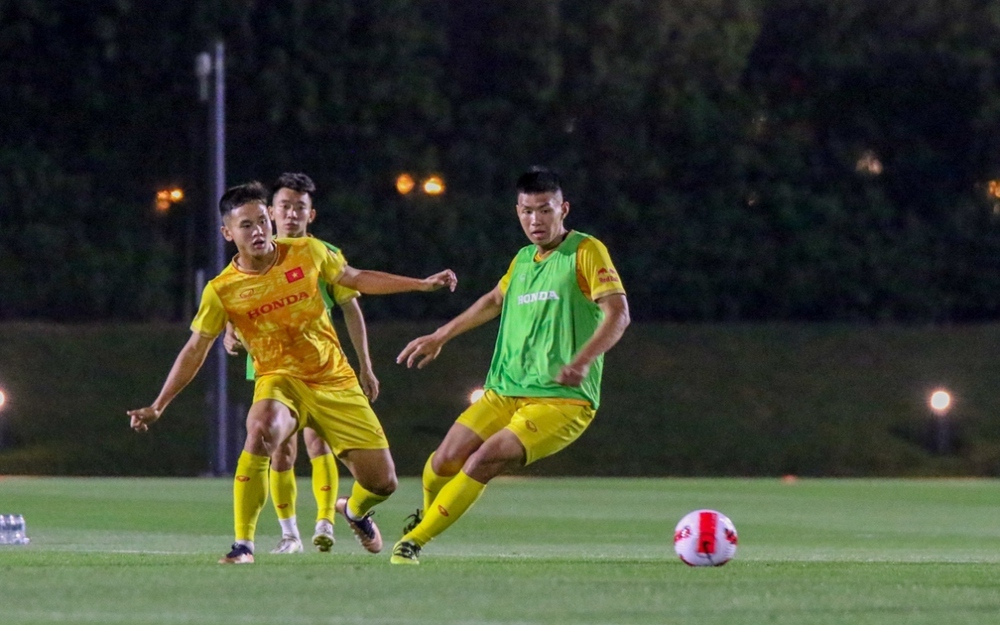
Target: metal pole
x=218 y=143
x=213 y=66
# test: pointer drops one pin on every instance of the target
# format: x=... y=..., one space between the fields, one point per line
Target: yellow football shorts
x=343 y=418
x=544 y=425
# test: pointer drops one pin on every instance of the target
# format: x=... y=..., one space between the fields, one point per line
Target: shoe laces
x=413 y=520
x=406 y=550
x=365 y=525
x=238 y=550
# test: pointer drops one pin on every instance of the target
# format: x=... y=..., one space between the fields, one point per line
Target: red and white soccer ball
x=705 y=538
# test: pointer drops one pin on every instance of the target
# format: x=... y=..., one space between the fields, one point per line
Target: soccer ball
x=705 y=538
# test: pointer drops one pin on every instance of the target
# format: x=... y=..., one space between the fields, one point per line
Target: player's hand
x=572 y=375
x=231 y=341
x=441 y=279
x=142 y=418
x=369 y=384
x=420 y=351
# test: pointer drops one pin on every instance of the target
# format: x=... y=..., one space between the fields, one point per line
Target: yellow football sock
x=284 y=490
x=452 y=502
x=249 y=493
x=433 y=483
x=362 y=500
x=324 y=485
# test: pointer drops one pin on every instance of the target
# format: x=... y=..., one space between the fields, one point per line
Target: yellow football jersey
x=281 y=315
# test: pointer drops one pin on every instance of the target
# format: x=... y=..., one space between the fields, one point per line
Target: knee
x=446 y=463
x=282 y=458
x=257 y=439
x=385 y=486
x=316 y=446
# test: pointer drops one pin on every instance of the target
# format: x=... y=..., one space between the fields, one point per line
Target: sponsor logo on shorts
x=531 y=426
x=540 y=296
x=442 y=510
x=294 y=274
x=242 y=478
x=276 y=304
x=281 y=506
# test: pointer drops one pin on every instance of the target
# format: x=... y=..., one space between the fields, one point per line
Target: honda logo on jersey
x=540 y=296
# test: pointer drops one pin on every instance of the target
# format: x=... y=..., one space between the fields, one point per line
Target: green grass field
x=581 y=550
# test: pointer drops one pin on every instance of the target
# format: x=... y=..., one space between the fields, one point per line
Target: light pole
x=940 y=404
x=210 y=69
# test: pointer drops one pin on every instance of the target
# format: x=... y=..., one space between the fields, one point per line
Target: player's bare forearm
x=484 y=309
x=606 y=336
x=423 y=350
x=185 y=367
x=358 y=332
x=381 y=283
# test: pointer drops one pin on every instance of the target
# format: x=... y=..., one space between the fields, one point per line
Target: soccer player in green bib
x=561 y=306
x=292 y=210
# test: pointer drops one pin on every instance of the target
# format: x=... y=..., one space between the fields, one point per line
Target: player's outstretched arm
x=186 y=366
x=354 y=319
x=423 y=350
x=607 y=334
x=381 y=283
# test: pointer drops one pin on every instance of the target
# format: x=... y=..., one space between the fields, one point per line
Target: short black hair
x=296 y=181
x=539 y=180
x=237 y=196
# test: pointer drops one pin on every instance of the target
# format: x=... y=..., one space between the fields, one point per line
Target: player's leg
x=269 y=423
x=325 y=479
x=447 y=460
x=284 y=492
x=482 y=419
x=374 y=481
x=536 y=430
x=500 y=453
x=345 y=420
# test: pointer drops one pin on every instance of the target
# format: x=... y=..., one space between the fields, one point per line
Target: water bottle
x=13 y=530
x=19 y=532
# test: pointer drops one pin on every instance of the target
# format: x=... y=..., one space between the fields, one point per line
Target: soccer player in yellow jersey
x=561 y=307
x=270 y=293
x=292 y=210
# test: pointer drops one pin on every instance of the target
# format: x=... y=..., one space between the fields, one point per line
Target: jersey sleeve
x=211 y=317
x=339 y=292
x=505 y=280
x=330 y=265
x=595 y=271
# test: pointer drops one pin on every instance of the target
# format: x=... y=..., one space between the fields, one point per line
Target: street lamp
x=940 y=404
x=405 y=183
x=3 y=425
x=165 y=198
x=433 y=185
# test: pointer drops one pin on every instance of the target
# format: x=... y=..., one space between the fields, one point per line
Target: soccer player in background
x=561 y=307
x=292 y=210
x=271 y=294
